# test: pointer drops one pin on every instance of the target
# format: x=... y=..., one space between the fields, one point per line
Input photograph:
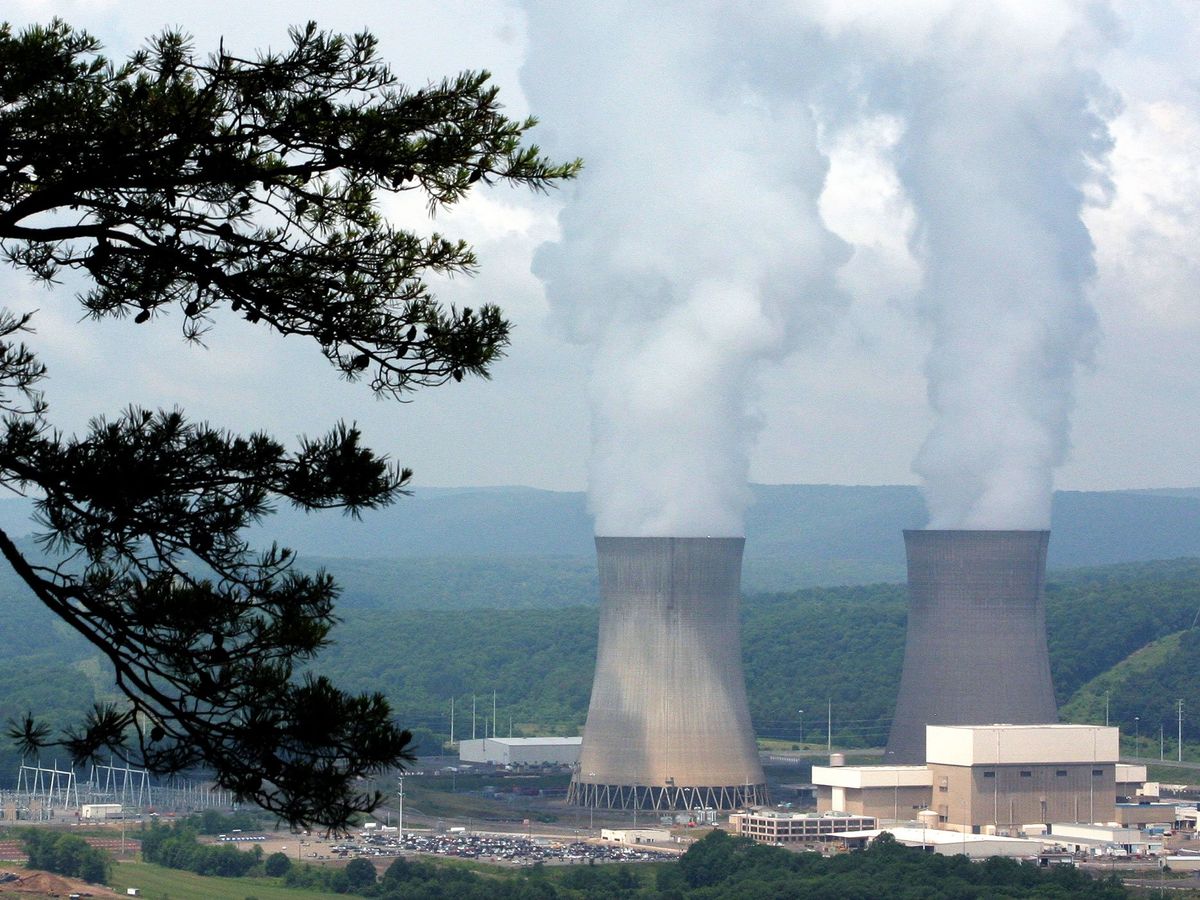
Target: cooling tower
x=976 y=647
x=668 y=726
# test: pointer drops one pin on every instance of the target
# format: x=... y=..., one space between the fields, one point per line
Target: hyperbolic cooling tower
x=976 y=648
x=668 y=726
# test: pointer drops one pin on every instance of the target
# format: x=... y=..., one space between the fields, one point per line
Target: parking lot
x=512 y=849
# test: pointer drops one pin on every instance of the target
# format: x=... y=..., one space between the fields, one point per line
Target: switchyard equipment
x=668 y=726
x=43 y=789
x=975 y=652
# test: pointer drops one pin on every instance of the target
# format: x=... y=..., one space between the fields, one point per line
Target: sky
x=776 y=200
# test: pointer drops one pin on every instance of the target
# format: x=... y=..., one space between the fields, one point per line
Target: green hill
x=802 y=649
x=1142 y=691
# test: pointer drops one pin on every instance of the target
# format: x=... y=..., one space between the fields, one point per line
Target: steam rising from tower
x=1006 y=139
x=668 y=726
x=692 y=248
x=976 y=647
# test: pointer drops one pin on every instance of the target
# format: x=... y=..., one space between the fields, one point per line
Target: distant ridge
x=803 y=522
x=796 y=534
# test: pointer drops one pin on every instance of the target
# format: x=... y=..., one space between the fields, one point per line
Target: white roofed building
x=529 y=751
x=887 y=793
x=992 y=779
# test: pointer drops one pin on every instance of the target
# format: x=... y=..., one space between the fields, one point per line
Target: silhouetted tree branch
x=252 y=184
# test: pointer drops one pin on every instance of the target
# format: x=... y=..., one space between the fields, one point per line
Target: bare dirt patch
x=30 y=885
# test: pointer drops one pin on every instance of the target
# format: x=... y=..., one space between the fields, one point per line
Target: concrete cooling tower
x=976 y=646
x=668 y=726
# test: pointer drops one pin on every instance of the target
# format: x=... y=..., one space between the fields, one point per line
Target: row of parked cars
x=502 y=848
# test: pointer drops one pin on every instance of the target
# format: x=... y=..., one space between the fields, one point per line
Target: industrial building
x=891 y=793
x=975 y=846
x=987 y=778
x=668 y=726
x=1103 y=839
x=530 y=751
x=1131 y=780
x=772 y=826
x=636 y=835
x=100 y=811
x=975 y=649
x=1002 y=777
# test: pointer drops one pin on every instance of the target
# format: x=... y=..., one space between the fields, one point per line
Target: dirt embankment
x=33 y=885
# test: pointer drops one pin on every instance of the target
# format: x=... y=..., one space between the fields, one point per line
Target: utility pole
x=1106 y=709
x=493 y=712
x=1161 y=745
x=400 y=822
x=1179 y=740
x=472 y=717
x=829 y=727
x=451 y=723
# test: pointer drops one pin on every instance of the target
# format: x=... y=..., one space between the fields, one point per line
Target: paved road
x=1155 y=761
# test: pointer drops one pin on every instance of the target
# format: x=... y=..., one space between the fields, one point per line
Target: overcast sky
x=844 y=399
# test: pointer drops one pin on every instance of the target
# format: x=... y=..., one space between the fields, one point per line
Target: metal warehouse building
x=559 y=751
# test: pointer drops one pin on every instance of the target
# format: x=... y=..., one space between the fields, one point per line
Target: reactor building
x=668 y=726
x=975 y=652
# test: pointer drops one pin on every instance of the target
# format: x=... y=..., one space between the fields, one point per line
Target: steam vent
x=976 y=647
x=668 y=726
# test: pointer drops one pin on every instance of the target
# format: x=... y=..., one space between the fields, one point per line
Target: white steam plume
x=1004 y=144
x=1006 y=137
x=692 y=248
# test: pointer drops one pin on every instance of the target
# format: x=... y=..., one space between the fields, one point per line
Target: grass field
x=159 y=883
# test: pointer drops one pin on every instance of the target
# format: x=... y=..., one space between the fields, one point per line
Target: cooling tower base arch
x=668 y=726
x=670 y=797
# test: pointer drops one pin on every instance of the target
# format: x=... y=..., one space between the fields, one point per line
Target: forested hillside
x=803 y=650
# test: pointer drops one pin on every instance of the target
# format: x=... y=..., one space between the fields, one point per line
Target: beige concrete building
x=770 y=826
x=998 y=778
x=1131 y=779
x=888 y=793
x=992 y=779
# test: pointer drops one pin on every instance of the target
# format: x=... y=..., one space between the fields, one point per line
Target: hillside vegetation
x=803 y=649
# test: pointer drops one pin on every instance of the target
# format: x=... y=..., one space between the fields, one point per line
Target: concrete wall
x=1015 y=795
x=668 y=707
x=975 y=651
x=890 y=804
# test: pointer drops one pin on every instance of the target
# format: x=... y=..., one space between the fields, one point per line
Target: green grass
x=158 y=882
